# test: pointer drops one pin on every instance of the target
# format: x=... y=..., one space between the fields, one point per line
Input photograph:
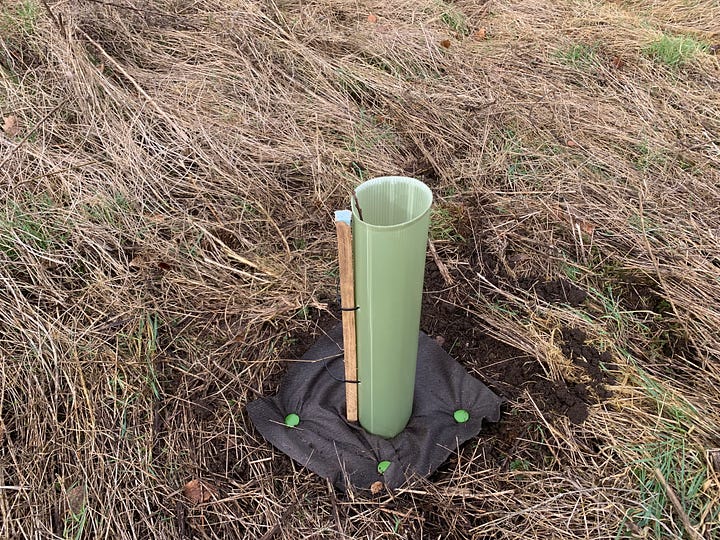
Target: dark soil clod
x=556 y=291
x=595 y=363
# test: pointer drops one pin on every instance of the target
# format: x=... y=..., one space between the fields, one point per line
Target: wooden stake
x=347 y=300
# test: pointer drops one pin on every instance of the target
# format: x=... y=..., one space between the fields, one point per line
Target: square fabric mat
x=324 y=441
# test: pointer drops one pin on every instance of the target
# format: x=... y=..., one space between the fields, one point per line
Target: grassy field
x=168 y=174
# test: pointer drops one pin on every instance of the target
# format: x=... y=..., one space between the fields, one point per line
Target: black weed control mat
x=449 y=408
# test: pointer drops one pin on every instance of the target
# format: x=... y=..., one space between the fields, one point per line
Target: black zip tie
x=339 y=301
x=325 y=363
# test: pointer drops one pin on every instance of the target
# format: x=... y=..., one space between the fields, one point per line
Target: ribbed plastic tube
x=389 y=245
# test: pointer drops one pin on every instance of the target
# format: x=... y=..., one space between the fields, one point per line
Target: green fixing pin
x=461 y=416
x=292 y=420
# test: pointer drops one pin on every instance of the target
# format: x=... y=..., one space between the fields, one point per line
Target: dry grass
x=166 y=234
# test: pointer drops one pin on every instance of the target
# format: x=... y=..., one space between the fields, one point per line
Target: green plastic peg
x=292 y=420
x=461 y=416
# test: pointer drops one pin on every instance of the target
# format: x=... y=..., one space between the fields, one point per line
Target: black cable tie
x=339 y=302
x=337 y=378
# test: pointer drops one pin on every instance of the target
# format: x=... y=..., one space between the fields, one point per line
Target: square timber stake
x=347 y=306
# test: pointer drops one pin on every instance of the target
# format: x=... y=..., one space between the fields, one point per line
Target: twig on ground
x=447 y=278
x=677 y=505
x=30 y=133
x=171 y=123
x=336 y=513
x=276 y=528
x=55 y=19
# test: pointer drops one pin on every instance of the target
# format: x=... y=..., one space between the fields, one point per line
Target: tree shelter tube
x=391 y=216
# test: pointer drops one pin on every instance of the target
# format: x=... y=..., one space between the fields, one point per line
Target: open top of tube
x=390 y=202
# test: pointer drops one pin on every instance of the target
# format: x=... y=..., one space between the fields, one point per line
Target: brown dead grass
x=166 y=233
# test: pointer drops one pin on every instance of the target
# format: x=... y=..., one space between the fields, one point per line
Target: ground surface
x=168 y=173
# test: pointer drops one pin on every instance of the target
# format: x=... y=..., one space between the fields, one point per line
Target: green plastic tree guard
x=390 y=232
